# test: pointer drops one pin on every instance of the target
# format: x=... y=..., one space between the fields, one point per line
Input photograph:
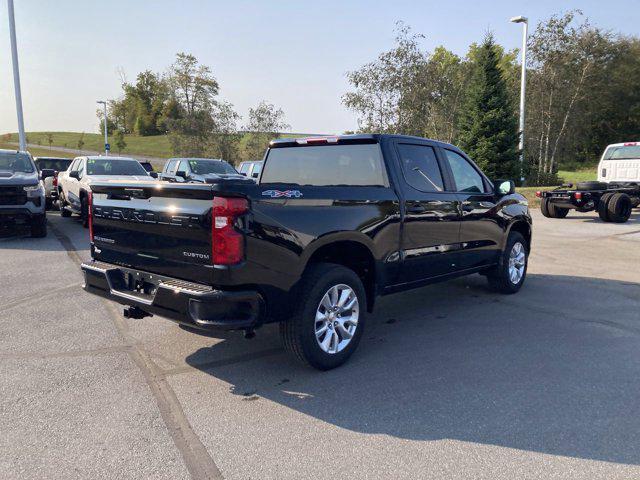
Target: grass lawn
x=40 y=152
x=153 y=146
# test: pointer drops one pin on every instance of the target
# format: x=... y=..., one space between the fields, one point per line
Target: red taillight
x=578 y=195
x=90 y=214
x=538 y=194
x=630 y=144
x=227 y=244
x=55 y=179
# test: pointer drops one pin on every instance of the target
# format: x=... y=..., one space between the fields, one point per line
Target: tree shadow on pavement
x=553 y=369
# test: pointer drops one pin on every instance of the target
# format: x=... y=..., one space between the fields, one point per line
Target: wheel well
x=524 y=229
x=354 y=256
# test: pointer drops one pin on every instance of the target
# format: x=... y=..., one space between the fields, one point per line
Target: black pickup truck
x=332 y=223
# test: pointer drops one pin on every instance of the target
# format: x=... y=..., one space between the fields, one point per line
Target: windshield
x=203 y=167
x=358 y=165
x=114 y=167
x=16 y=162
x=623 y=152
x=57 y=164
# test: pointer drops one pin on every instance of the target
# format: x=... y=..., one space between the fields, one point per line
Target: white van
x=620 y=163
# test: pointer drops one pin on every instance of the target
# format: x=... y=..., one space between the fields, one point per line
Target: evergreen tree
x=488 y=125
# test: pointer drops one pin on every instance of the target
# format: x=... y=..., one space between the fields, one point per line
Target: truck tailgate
x=161 y=228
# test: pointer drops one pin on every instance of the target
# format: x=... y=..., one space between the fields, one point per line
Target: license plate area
x=139 y=284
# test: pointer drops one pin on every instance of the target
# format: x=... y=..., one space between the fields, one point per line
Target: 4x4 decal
x=282 y=193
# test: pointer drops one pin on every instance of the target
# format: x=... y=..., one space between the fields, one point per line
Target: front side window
x=114 y=167
x=184 y=166
x=326 y=165
x=465 y=175
x=420 y=167
x=16 y=162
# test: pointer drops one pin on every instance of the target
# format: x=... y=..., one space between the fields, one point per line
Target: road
x=450 y=381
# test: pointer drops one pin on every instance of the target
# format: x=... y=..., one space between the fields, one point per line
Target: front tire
x=509 y=275
x=328 y=322
x=39 y=227
x=84 y=212
x=64 y=211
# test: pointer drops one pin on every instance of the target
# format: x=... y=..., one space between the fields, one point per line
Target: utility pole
x=523 y=88
x=106 y=135
x=16 y=77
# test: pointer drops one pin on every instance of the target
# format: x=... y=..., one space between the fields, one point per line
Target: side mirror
x=75 y=174
x=46 y=173
x=255 y=174
x=182 y=174
x=244 y=174
x=153 y=174
x=505 y=187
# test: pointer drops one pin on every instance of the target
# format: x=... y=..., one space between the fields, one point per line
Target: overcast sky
x=291 y=53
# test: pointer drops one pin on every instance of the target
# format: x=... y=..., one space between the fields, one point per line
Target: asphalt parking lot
x=451 y=380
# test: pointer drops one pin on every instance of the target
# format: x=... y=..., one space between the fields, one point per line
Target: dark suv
x=22 y=200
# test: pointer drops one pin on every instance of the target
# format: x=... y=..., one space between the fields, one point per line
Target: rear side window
x=465 y=175
x=420 y=167
x=171 y=167
x=244 y=168
x=326 y=165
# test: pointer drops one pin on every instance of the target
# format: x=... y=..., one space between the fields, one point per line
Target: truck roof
x=357 y=138
x=105 y=157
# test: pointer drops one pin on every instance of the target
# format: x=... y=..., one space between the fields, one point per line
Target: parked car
x=74 y=183
x=51 y=183
x=613 y=196
x=22 y=200
x=333 y=223
x=202 y=170
x=149 y=168
x=250 y=169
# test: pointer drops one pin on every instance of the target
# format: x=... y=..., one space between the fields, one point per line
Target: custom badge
x=282 y=194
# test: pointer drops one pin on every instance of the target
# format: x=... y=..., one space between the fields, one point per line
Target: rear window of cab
x=326 y=165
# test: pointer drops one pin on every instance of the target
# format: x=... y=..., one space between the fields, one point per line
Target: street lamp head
x=519 y=19
x=101 y=101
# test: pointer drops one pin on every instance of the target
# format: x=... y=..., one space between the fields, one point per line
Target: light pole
x=106 y=136
x=16 y=76
x=523 y=88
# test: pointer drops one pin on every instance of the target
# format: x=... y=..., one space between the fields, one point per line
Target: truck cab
x=620 y=164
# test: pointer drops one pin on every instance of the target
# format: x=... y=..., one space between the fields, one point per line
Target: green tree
x=81 y=141
x=119 y=141
x=488 y=125
x=224 y=140
x=265 y=123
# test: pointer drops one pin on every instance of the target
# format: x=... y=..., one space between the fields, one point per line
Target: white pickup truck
x=620 y=163
x=614 y=195
x=74 y=183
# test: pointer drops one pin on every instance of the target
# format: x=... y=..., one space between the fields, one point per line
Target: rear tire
x=603 y=210
x=319 y=333
x=549 y=210
x=619 y=207
x=509 y=275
